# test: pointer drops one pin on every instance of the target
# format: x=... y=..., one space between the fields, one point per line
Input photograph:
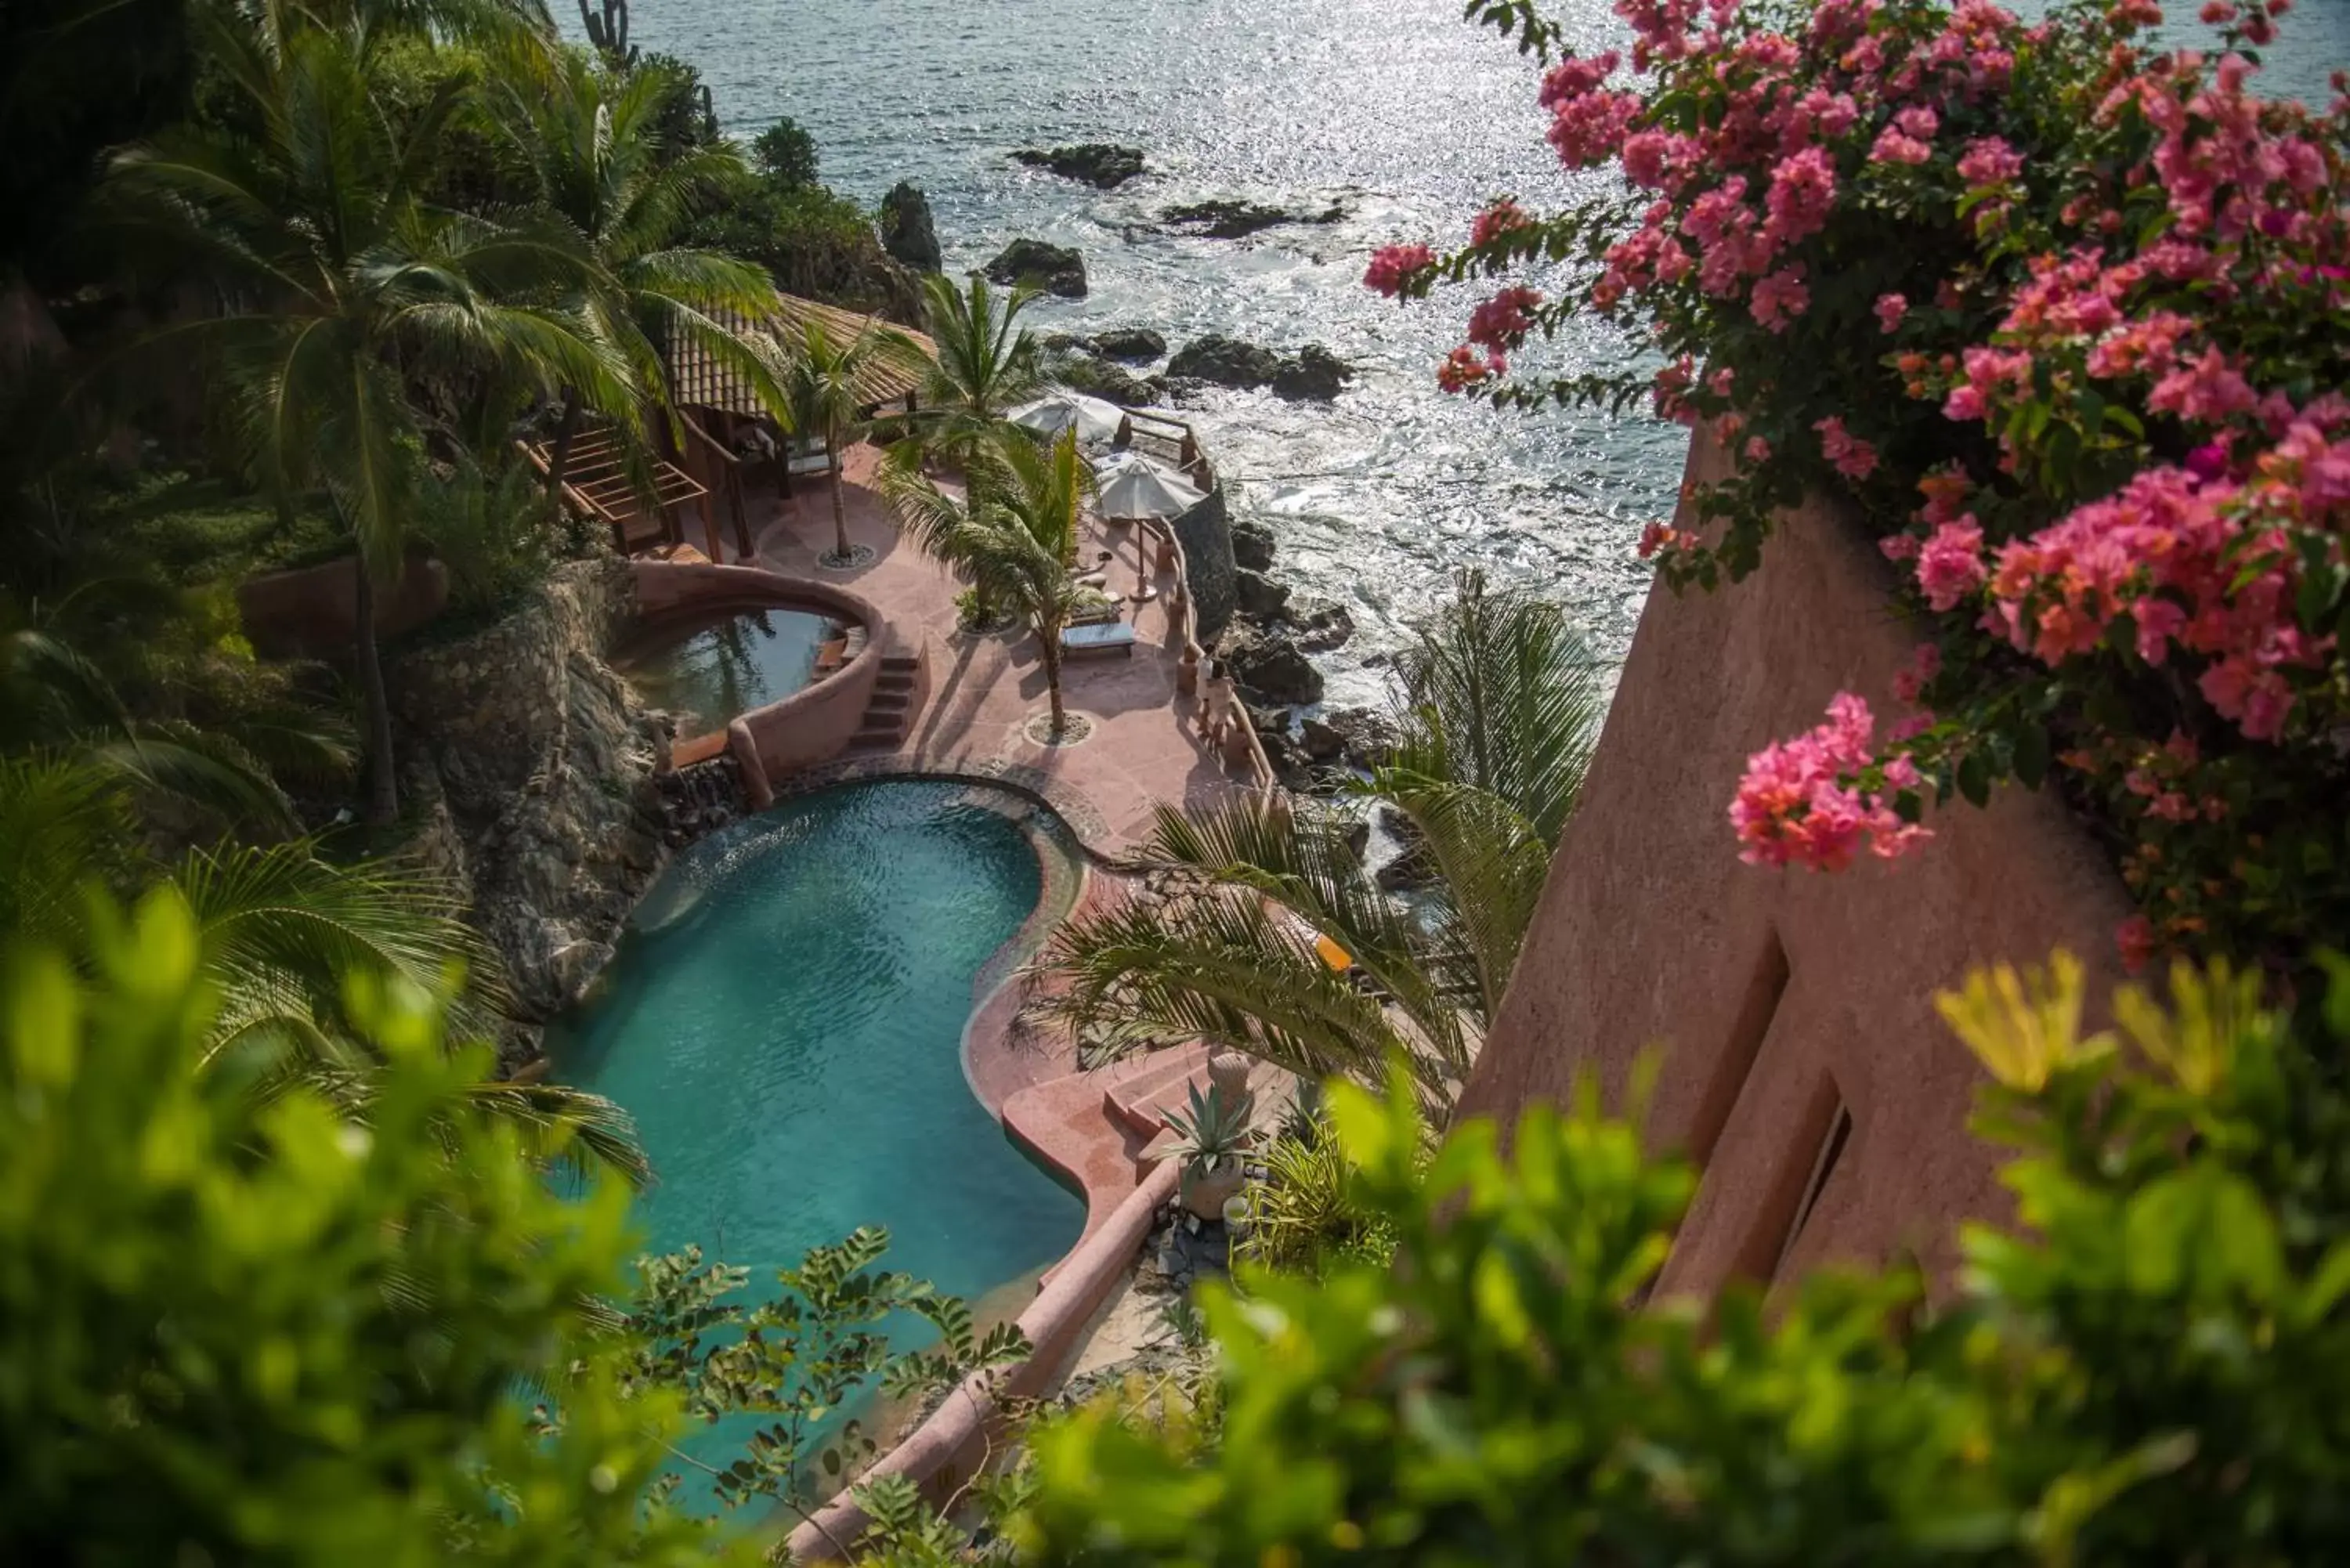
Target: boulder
x=1322 y=742
x=1099 y=165
x=1225 y=362
x=1231 y=219
x=1135 y=345
x=1321 y=624
x=1037 y=264
x=1365 y=736
x=1252 y=546
x=1086 y=373
x=1272 y=666
x=1314 y=375
x=906 y=232
x=1258 y=595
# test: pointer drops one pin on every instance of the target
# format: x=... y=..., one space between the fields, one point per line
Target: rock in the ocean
x=1322 y=742
x=1365 y=737
x=1271 y=665
x=1321 y=624
x=906 y=231
x=1225 y=362
x=1258 y=595
x=1252 y=546
x=1229 y=220
x=1084 y=373
x=1315 y=375
x=1050 y=268
x=1135 y=345
x=1097 y=163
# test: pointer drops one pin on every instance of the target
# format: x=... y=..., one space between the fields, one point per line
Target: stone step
x=1141 y=1096
x=886 y=681
x=901 y=663
x=888 y=703
x=884 y=737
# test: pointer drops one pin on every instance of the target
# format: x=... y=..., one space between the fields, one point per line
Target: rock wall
x=1206 y=532
x=532 y=766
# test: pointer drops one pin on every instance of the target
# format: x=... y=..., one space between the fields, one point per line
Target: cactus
x=609 y=31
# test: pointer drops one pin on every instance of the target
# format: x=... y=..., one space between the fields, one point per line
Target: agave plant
x=1211 y=1135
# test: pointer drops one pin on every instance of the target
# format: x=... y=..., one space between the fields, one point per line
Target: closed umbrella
x=1094 y=418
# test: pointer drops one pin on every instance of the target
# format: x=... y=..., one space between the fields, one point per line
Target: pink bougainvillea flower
x=1394 y=267
x=1780 y=297
x=1890 y=309
x=1795 y=807
x=1504 y=217
x=1502 y=323
x=1757 y=450
x=1990 y=161
x=1950 y=563
x=1846 y=453
x=1923 y=666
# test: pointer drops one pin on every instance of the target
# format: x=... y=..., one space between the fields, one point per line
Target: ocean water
x=1395 y=109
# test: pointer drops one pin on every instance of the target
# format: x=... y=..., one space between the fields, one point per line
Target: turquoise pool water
x=785 y=1022
x=709 y=670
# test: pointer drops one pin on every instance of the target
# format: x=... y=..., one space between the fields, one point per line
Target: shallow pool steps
x=1155 y=1085
x=891 y=707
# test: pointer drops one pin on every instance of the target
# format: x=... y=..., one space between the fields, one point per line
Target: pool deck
x=984 y=691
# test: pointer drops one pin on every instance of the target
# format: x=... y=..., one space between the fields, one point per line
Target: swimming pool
x=784 y=1021
x=715 y=665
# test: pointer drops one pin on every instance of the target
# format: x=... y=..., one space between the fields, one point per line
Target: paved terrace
x=984 y=691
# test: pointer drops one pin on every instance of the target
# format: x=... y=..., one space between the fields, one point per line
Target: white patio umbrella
x=1094 y=419
x=1130 y=487
x=1133 y=485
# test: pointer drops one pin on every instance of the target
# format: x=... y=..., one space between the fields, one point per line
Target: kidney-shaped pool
x=784 y=1021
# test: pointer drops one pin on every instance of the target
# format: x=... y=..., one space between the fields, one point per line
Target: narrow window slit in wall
x=1766 y=983
x=1824 y=1166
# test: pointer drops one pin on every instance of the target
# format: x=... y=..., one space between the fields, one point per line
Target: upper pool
x=723 y=662
x=784 y=1021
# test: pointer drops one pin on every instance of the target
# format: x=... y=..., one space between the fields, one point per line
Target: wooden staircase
x=891 y=710
x=597 y=485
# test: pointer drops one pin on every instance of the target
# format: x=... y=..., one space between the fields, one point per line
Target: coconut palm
x=986 y=366
x=342 y=286
x=1281 y=943
x=820 y=384
x=593 y=139
x=1015 y=533
x=283 y=932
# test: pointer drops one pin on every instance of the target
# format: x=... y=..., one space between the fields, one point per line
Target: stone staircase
x=890 y=712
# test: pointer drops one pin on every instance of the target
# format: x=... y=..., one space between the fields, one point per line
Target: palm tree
x=986 y=366
x=594 y=142
x=342 y=284
x=820 y=386
x=1281 y=943
x=1015 y=532
x=283 y=932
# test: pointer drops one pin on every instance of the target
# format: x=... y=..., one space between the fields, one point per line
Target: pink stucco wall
x=1779 y=995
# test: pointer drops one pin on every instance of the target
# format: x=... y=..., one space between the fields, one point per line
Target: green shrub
x=238 y=1327
x=2156 y=1369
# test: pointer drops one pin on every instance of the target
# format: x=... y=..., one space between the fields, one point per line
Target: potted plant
x=1210 y=1138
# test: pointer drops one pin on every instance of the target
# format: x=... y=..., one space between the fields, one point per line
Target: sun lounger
x=1112 y=637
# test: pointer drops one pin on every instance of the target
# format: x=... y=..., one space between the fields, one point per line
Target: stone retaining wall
x=1206 y=532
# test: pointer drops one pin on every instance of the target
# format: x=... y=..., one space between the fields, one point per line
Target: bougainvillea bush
x=2067 y=315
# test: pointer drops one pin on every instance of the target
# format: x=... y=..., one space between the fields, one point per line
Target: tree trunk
x=565 y=432
x=839 y=512
x=382 y=781
x=1048 y=640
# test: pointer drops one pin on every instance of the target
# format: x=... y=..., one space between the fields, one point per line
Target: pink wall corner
x=313 y=610
x=1777 y=995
